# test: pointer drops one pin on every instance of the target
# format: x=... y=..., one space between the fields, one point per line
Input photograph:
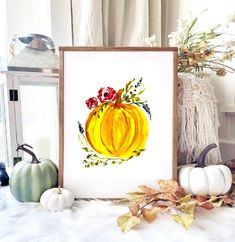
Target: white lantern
x=30 y=89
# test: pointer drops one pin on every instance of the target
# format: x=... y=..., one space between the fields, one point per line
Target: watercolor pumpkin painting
x=116 y=129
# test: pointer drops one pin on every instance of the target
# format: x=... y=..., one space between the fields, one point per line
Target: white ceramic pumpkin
x=200 y=179
x=57 y=199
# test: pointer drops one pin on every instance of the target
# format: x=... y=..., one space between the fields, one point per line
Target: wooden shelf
x=230 y=110
x=227 y=141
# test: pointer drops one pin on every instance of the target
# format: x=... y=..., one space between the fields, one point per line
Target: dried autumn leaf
x=201 y=198
x=150 y=202
x=134 y=209
x=233 y=189
x=180 y=192
x=215 y=201
x=228 y=201
x=167 y=184
x=148 y=190
x=214 y=198
x=123 y=218
x=185 y=220
x=163 y=207
x=185 y=199
x=218 y=203
x=207 y=205
x=164 y=204
x=188 y=207
x=136 y=197
x=126 y=222
x=166 y=196
x=217 y=198
x=150 y=214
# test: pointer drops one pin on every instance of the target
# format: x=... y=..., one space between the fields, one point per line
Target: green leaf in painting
x=86 y=149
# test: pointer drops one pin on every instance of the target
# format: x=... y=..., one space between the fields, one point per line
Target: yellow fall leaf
x=216 y=198
x=136 y=197
x=188 y=207
x=185 y=220
x=148 y=190
x=217 y=201
x=213 y=198
x=167 y=184
x=185 y=199
x=218 y=204
x=122 y=218
x=126 y=222
x=150 y=214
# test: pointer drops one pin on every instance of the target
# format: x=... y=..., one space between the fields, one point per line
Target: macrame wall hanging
x=197 y=119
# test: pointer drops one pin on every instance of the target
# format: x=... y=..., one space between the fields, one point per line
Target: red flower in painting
x=92 y=102
x=106 y=94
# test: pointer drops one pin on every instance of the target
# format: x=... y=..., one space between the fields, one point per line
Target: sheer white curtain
x=115 y=23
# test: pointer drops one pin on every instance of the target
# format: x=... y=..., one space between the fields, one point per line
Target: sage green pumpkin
x=30 y=179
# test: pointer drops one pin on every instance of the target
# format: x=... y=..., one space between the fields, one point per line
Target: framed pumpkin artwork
x=117 y=119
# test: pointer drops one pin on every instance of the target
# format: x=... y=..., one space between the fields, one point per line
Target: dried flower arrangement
x=200 y=50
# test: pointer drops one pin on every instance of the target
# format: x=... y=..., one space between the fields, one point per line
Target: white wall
x=28 y=16
x=61 y=29
x=47 y=17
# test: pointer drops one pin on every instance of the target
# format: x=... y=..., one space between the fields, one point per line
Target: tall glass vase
x=197 y=119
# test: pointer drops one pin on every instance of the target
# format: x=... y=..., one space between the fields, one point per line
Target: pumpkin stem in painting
x=202 y=156
x=34 y=158
x=119 y=96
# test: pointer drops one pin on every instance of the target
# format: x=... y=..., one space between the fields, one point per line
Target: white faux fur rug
x=95 y=221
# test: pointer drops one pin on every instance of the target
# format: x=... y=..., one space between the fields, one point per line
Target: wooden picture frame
x=108 y=145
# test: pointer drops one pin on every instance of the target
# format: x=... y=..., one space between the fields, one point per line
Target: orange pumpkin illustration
x=117 y=129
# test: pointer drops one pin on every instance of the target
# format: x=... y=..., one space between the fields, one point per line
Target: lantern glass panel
x=39 y=110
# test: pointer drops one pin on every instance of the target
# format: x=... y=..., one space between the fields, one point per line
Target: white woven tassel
x=197 y=119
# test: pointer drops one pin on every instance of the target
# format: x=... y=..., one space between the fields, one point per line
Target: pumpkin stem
x=34 y=158
x=201 y=159
x=119 y=96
